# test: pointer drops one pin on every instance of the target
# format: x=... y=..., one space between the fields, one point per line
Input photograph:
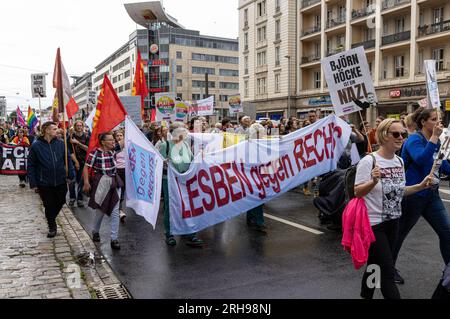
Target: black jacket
x=46 y=164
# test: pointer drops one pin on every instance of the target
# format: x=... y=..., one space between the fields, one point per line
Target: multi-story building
x=398 y=35
x=182 y=60
x=81 y=87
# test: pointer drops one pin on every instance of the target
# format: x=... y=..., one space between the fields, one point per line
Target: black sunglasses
x=404 y=135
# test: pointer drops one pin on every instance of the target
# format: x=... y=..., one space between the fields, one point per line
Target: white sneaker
x=122 y=216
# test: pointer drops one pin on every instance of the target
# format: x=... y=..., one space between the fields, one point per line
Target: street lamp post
x=289 y=86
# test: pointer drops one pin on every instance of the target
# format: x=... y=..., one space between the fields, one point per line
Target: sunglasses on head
x=404 y=135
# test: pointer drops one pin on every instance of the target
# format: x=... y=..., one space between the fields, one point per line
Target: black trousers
x=380 y=254
x=53 y=198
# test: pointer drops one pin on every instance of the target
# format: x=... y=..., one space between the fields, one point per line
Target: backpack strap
x=374 y=160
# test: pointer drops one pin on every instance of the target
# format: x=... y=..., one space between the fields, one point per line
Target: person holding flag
x=100 y=172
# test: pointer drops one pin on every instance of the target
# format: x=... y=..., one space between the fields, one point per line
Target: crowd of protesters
x=407 y=145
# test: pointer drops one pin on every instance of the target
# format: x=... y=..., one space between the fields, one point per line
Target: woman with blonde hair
x=380 y=180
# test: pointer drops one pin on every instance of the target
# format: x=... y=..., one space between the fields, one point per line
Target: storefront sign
x=395 y=93
x=413 y=91
x=157 y=62
x=154 y=49
x=321 y=100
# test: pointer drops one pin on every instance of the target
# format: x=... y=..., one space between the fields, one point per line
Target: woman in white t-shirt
x=380 y=180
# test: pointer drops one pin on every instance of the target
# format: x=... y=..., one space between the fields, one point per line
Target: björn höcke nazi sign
x=348 y=78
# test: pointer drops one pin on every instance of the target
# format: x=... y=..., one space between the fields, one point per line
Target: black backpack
x=350 y=176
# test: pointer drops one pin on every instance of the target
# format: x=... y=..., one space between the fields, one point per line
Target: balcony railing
x=307 y=3
x=434 y=28
x=356 y=14
x=335 y=51
x=311 y=30
x=311 y=58
x=332 y=23
x=369 y=44
x=388 y=4
x=397 y=37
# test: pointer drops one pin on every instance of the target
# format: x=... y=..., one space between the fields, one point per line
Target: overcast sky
x=87 y=31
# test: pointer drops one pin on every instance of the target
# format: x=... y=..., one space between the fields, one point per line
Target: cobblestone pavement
x=33 y=266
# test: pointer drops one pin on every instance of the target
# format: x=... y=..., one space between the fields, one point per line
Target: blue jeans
x=79 y=187
x=115 y=221
x=434 y=212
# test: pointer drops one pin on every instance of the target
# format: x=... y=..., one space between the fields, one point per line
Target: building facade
x=81 y=87
x=182 y=61
x=398 y=35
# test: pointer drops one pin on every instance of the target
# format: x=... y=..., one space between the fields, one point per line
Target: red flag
x=140 y=83
x=110 y=113
x=71 y=108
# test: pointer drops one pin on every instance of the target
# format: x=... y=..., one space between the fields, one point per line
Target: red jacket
x=357 y=233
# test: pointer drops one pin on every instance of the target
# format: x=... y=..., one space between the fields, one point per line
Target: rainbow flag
x=32 y=120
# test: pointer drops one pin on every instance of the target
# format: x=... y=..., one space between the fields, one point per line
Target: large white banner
x=143 y=172
x=206 y=142
x=432 y=85
x=205 y=107
x=348 y=78
x=226 y=183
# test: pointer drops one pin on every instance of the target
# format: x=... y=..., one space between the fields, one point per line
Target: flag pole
x=365 y=131
x=40 y=113
x=61 y=107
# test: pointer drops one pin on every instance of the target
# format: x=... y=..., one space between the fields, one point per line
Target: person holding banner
x=418 y=154
x=47 y=173
x=178 y=153
x=21 y=140
x=106 y=185
x=380 y=180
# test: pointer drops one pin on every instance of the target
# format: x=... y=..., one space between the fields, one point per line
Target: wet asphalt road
x=287 y=263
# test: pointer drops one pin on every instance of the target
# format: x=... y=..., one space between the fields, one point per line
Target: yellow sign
x=393 y=116
x=447 y=105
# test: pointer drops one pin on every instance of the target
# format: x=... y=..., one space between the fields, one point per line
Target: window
x=200 y=70
x=385 y=67
x=385 y=28
x=277 y=5
x=246 y=88
x=196 y=97
x=261 y=86
x=245 y=41
x=329 y=17
x=341 y=13
x=201 y=84
x=262 y=8
x=126 y=74
x=399 y=25
x=261 y=58
x=340 y=40
x=421 y=19
x=277 y=30
x=127 y=86
x=180 y=96
x=224 y=72
x=317 y=49
x=317 y=21
x=229 y=86
x=179 y=83
x=277 y=56
x=262 y=34
x=438 y=55
x=369 y=34
x=246 y=65
x=115 y=79
x=438 y=15
x=420 y=61
x=317 y=80
x=179 y=55
x=179 y=69
x=399 y=66
x=215 y=58
x=277 y=83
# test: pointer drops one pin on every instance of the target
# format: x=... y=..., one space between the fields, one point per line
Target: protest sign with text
x=165 y=106
x=432 y=85
x=348 y=78
x=205 y=107
x=235 y=104
x=221 y=185
x=13 y=159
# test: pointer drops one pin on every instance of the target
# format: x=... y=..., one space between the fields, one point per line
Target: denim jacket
x=46 y=164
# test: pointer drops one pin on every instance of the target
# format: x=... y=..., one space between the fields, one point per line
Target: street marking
x=445 y=200
x=445 y=191
x=315 y=232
